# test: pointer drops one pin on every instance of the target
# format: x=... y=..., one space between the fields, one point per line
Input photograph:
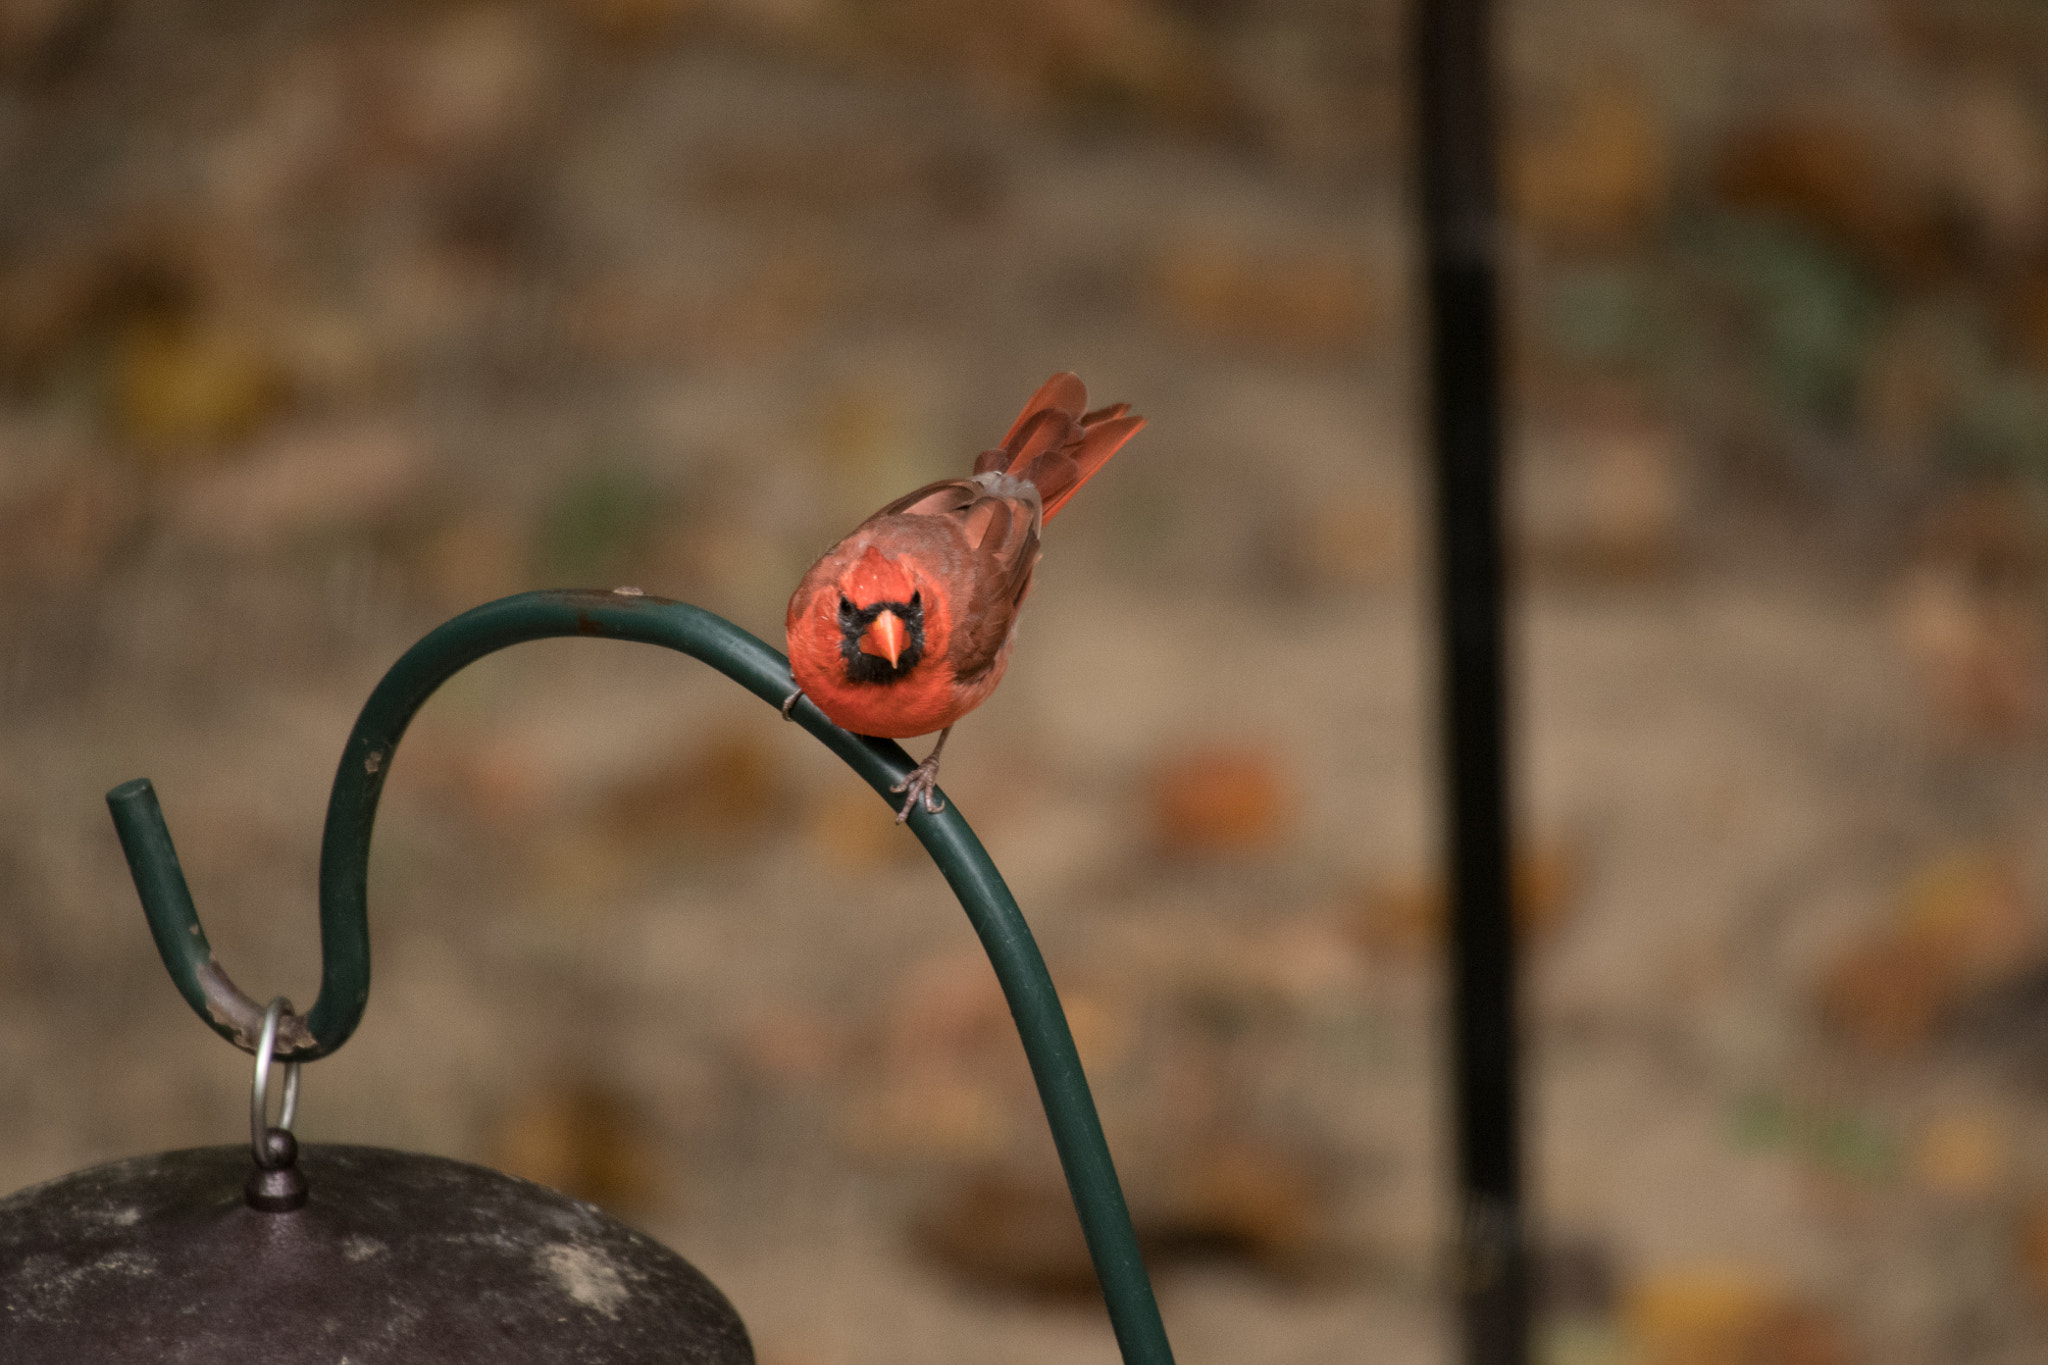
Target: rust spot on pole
x=228 y=1006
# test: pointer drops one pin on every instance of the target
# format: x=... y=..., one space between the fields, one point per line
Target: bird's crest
x=874 y=578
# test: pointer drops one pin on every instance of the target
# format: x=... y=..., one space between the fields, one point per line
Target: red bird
x=905 y=626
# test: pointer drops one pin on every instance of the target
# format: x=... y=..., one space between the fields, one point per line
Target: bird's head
x=881 y=620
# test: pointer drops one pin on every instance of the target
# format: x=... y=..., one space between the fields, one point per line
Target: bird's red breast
x=905 y=626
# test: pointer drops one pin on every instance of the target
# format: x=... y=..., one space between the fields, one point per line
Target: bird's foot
x=789 y=703
x=920 y=783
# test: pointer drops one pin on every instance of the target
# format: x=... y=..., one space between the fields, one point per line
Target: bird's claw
x=920 y=782
x=789 y=703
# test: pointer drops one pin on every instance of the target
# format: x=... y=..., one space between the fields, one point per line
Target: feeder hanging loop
x=259 y=1090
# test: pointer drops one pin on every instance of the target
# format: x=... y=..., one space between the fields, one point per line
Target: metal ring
x=259 y=1093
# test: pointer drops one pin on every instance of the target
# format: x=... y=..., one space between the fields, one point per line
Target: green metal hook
x=762 y=670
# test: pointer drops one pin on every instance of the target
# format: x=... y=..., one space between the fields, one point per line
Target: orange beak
x=884 y=638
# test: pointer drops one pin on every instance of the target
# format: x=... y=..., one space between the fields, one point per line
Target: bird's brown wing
x=994 y=541
x=1002 y=543
x=947 y=497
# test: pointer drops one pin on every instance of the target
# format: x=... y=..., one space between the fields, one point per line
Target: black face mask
x=854 y=621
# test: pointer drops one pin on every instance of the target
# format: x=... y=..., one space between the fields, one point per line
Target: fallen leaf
x=1961 y=927
x=1006 y=1232
x=2033 y=1246
x=1979 y=652
x=1404 y=917
x=1995 y=166
x=1238 y=1198
x=1344 y=539
x=1219 y=800
x=1838 y=180
x=1606 y=502
x=1600 y=174
x=183 y=389
x=1729 y=1316
x=1964 y=1155
x=930 y=1116
x=583 y=1139
x=703 y=795
x=1300 y=301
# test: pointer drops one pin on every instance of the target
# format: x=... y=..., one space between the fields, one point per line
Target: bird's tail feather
x=1057 y=444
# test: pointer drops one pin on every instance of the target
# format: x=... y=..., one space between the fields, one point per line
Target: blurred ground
x=321 y=322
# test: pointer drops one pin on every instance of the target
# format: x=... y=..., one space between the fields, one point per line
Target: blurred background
x=322 y=321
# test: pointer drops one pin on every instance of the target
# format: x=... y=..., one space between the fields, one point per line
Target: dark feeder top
x=393 y=1257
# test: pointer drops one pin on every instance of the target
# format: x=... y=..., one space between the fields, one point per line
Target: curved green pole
x=345 y=857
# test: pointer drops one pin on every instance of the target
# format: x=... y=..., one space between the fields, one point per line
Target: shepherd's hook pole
x=1457 y=174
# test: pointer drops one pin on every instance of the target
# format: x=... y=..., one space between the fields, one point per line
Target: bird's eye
x=917 y=601
x=846 y=606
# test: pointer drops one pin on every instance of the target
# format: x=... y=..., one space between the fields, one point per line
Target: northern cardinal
x=905 y=626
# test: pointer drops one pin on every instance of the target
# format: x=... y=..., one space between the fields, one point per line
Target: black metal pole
x=1458 y=180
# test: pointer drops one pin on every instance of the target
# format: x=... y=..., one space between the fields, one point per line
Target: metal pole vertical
x=1458 y=181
